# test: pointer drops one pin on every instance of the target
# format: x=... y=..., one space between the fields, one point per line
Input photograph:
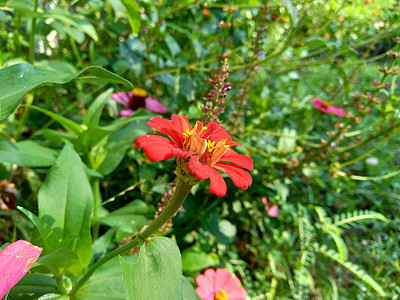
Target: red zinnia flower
x=327 y=108
x=203 y=150
x=219 y=285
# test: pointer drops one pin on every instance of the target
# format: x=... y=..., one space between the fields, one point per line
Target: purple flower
x=136 y=99
x=15 y=261
x=327 y=108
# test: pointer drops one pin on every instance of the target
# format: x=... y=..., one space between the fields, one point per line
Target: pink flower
x=273 y=211
x=15 y=261
x=219 y=285
x=136 y=99
x=327 y=108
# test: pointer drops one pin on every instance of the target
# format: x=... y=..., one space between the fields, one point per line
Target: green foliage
x=159 y=258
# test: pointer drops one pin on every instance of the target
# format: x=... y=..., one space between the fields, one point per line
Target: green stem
x=29 y=100
x=181 y=191
x=76 y=52
x=31 y=58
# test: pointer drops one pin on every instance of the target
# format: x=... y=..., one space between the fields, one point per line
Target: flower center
x=138 y=99
x=221 y=295
x=209 y=152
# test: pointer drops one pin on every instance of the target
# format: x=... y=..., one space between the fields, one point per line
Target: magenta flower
x=327 y=108
x=136 y=99
x=15 y=261
x=273 y=211
x=219 y=285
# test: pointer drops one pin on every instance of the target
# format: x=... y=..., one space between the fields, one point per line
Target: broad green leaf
x=118 y=143
x=45 y=236
x=194 y=259
x=27 y=154
x=66 y=204
x=224 y=230
x=188 y=291
x=132 y=9
x=104 y=244
x=18 y=80
x=157 y=274
x=105 y=283
x=92 y=117
x=39 y=284
x=69 y=125
x=78 y=21
x=60 y=261
x=129 y=219
x=89 y=139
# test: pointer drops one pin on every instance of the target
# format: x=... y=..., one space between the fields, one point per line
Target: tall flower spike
x=202 y=151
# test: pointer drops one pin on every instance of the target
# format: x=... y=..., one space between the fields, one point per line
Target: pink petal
x=273 y=211
x=336 y=111
x=121 y=97
x=126 y=112
x=155 y=106
x=222 y=277
x=15 y=261
x=204 y=293
x=234 y=291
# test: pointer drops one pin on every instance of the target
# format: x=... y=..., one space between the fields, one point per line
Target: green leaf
x=157 y=274
x=133 y=15
x=105 y=283
x=18 y=80
x=60 y=261
x=193 y=259
x=69 y=125
x=188 y=291
x=45 y=236
x=78 y=21
x=27 y=154
x=92 y=117
x=129 y=219
x=224 y=230
x=34 y=283
x=66 y=204
x=117 y=144
x=355 y=269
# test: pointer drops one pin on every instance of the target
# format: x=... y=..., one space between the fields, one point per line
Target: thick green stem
x=181 y=191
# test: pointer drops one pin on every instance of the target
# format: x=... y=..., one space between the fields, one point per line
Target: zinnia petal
x=240 y=177
x=241 y=160
x=217 y=182
x=167 y=127
x=121 y=97
x=155 y=105
x=215 y=132
x=15 y=261
x=156 y=147
x=181 y=123
x=222 y=277
x=126 y=112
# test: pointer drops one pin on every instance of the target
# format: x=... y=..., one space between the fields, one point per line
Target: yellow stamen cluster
x=139 y=92
x=221 y=295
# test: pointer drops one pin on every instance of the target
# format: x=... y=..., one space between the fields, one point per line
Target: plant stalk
x=182 y=190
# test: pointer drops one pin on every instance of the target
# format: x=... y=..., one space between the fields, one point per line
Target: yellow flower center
x=221 y=295
x=139 y=92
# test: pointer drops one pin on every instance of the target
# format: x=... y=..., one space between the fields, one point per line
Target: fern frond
x=355 y=269
x=357 y=216
x=340 y=245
